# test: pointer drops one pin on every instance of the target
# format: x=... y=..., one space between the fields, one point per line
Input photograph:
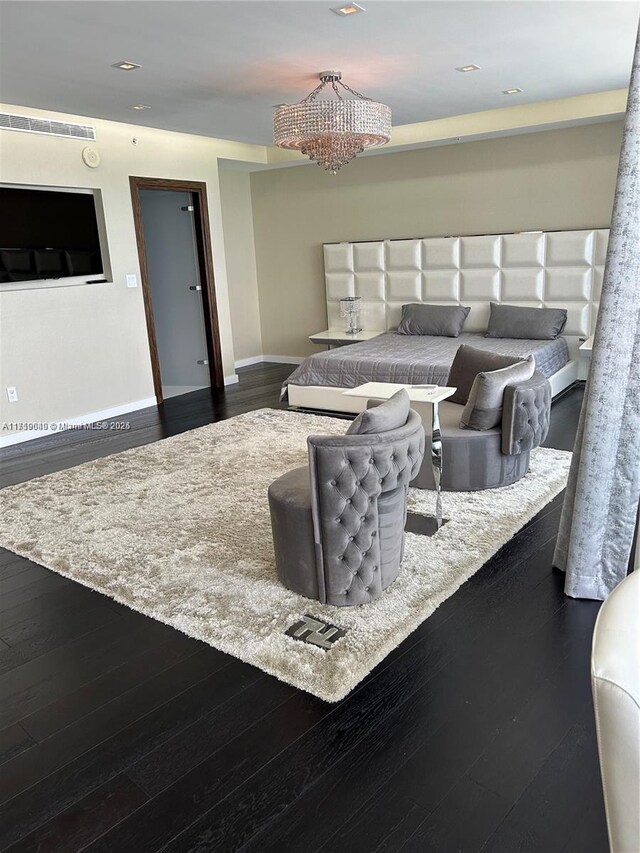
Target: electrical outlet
x=132 y=281
x=12 y=394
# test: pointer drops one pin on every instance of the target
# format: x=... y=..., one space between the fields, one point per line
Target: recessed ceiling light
x=466 y=68
x=140 y=107
x=514 y=91
x=125 y=65
x=349 y=9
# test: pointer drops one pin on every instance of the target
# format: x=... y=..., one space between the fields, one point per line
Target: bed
x=550 y=269
x=410 y=359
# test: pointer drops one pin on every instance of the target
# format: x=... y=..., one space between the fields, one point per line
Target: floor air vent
x=30 y=124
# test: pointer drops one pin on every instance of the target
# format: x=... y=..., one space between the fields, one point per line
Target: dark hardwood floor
x=120 y=734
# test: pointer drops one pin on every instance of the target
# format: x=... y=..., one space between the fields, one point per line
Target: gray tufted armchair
x=487 y=459
x=475 y=460
x=338 y=523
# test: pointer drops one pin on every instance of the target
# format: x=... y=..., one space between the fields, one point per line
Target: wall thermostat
x=91 y=157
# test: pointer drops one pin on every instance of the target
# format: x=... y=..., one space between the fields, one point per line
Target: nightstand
x=584 y=354
x=340 y=338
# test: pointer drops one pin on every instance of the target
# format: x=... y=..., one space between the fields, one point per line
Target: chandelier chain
x=313 y=95
x=355 y=92
x=334 y=85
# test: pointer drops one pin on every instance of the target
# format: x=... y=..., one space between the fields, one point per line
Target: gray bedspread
x=413 y=359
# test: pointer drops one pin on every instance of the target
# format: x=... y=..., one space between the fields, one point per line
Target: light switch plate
x=12 y=394
x=132 y=281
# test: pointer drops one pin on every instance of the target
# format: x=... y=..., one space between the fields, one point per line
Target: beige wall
x=235 y=194
x=74 y=350
x=559 y=179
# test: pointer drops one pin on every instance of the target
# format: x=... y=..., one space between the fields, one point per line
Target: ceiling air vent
x=30 y=124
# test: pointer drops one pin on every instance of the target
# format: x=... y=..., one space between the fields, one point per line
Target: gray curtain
x=599 y=512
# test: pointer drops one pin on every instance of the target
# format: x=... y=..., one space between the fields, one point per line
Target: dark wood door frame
x=198 y=189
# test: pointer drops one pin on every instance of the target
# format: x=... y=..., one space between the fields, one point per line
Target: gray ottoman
x=292 y=526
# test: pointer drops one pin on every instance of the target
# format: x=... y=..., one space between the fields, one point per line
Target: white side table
x=340 y=338
x=584 y=353
x=424 y=400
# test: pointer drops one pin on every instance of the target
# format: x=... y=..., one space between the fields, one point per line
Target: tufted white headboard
x=555 y=269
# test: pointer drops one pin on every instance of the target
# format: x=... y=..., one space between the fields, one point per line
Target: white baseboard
x=284 y=359
x=231 y=380
x=260 y=359
x=246 y=362
x=55 y=427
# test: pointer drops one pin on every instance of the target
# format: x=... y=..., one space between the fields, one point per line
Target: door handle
x=195 y=287
x=203 y=361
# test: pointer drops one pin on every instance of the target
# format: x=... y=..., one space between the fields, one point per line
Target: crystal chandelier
x=332 y=131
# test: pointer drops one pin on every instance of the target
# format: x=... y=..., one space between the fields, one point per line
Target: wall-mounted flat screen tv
x=48 y=234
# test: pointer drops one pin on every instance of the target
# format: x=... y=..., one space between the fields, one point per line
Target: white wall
x=235 y=193
x=73 y=350
x=551 y=180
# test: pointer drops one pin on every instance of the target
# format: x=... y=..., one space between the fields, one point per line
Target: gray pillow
x=467 y=363
x=533 y=324
x=439 y=320
x=484 y=406
x=391 y=414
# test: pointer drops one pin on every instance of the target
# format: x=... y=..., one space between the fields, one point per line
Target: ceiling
x=217 y=68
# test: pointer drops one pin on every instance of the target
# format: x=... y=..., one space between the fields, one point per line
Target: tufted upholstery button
x=332 y=483
x=348 y=500
x=357 y=482
x=351 y=539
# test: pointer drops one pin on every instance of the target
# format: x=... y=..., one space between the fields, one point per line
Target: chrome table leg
x=436 y=460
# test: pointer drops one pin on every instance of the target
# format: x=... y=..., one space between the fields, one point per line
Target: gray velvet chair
x=473 y=460
x=338 y=522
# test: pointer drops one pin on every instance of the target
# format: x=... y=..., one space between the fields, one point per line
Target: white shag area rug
x=180 y=530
